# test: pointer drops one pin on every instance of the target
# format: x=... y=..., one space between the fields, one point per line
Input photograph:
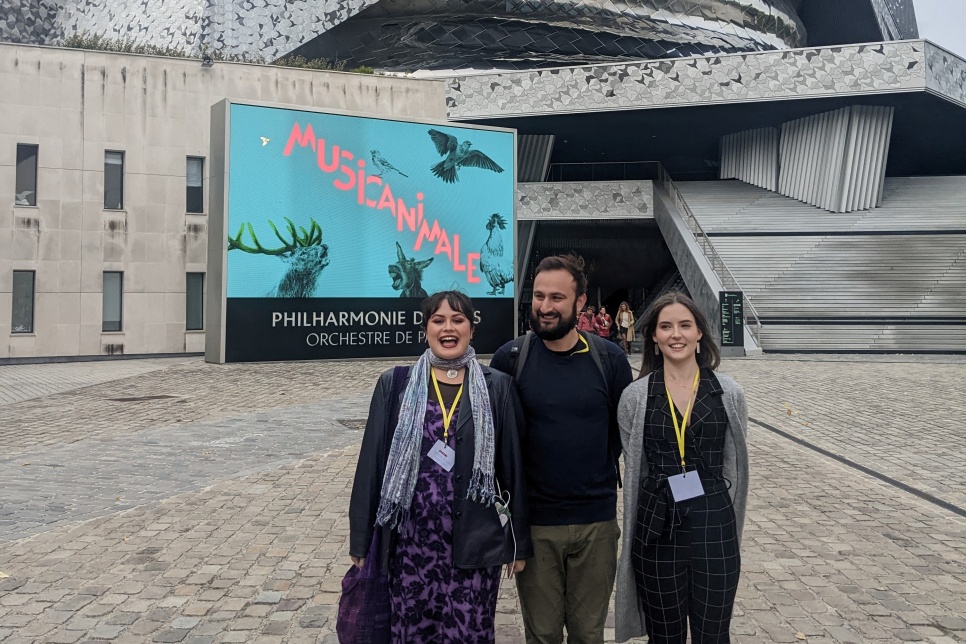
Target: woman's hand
x=358 y=562
x=513 y=568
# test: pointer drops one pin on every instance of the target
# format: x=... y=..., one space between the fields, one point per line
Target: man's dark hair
x=710 y=355
x=571 y=262
x=456 y=300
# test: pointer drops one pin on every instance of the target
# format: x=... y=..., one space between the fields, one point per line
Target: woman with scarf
x=440 y=474
x=683 y=430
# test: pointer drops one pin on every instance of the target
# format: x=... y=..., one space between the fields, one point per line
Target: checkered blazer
x=631 y=416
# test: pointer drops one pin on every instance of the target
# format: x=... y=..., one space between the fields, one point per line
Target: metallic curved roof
x=525 y=34
x=409 y=35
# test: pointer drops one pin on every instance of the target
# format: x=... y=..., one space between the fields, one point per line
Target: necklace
x=452 y=373
x=675 y=382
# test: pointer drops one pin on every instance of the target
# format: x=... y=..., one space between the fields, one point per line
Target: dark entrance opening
x=625 y=260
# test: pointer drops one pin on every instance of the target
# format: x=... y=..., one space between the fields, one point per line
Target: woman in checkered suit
x=683 y=429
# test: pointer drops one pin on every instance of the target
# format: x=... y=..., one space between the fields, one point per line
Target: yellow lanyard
x=447 y=416
x=680 y=429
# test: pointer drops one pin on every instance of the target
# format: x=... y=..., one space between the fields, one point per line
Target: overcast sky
x=943 y=22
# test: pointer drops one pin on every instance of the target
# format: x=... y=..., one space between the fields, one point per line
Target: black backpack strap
x=601 y=356
x=599 y=353
x=518 y=353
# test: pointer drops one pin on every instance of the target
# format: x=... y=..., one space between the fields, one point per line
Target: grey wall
x=585 y=200
x=75 y=105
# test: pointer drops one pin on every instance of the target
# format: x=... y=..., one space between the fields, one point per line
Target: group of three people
x=619 y=330
x=465 y=468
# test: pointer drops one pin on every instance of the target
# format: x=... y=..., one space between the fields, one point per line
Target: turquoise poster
x=338 y=214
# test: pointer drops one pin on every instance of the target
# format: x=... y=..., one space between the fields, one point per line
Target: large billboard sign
x=328 y=230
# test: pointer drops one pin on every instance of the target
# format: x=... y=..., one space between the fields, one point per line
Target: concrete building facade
x=109 y=148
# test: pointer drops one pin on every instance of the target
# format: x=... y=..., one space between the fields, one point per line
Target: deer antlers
x=310 y=237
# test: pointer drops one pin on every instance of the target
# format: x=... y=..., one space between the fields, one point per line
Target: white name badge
x=685 y=486
x=443 y=454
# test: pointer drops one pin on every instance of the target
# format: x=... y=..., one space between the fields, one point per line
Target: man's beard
x=558 y=330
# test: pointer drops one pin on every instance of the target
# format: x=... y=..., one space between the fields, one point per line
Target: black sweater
x=569 y=441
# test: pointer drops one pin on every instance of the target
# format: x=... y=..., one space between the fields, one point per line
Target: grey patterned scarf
x=402 y=466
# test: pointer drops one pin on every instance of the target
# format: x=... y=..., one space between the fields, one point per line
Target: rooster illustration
x=497 y=268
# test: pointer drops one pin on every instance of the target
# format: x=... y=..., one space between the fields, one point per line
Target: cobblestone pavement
x=23 y=382
x=218 y=514
x=902 y=417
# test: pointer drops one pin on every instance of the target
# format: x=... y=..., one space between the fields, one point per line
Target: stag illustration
x=305 y=254
x=407 y=274
x=497 y=267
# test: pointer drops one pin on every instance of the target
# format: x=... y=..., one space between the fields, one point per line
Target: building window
x=195 y=185
x=25 y=193
x=113 y=301
x=113 y=180
x=22 y=320
x=195 y=302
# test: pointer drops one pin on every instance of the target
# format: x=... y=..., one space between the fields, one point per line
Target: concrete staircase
x=889 y=279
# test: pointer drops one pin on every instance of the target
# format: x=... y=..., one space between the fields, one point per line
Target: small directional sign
x=732 y=319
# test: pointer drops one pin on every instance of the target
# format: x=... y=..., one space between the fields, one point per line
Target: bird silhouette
x=383 y=164
x=458 y=155
x=20 y=198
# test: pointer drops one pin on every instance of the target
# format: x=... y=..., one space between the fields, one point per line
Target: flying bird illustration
x=494 y=263
x=265 y=140
x=383 y=164
x=458 y=155
x=20 y=198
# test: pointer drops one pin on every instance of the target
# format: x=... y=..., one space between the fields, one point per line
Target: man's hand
x=358 y=562
x=513 y=568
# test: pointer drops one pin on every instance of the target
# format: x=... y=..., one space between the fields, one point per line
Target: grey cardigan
x=630 y=416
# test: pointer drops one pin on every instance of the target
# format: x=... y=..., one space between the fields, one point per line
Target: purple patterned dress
x=431 y=599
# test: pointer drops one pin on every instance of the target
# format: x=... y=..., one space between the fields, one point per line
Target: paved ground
x=184 y=502
x=36 y=380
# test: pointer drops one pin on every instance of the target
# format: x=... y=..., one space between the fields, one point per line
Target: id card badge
x=685 y=486
x=443 y=454
x=502 y=511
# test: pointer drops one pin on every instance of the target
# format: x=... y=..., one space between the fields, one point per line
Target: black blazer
x=479 y=540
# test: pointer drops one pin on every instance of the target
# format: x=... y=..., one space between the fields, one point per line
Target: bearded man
x=570 y=383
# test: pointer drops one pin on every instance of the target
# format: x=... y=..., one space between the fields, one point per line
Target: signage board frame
x=238 y=326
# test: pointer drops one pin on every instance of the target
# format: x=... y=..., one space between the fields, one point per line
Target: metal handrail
x=717 y=263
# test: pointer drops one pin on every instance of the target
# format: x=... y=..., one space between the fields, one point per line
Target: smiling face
x=448 y=332
x=677 y=334
x=555 y=304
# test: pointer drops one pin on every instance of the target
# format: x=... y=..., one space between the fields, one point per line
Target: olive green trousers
x=568 y=582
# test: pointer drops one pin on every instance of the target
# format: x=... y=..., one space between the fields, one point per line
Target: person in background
x=437 y=483
x=683 y=430
x=625 y=326
x=587 y=321
x=569 y=382
x=603 y=323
